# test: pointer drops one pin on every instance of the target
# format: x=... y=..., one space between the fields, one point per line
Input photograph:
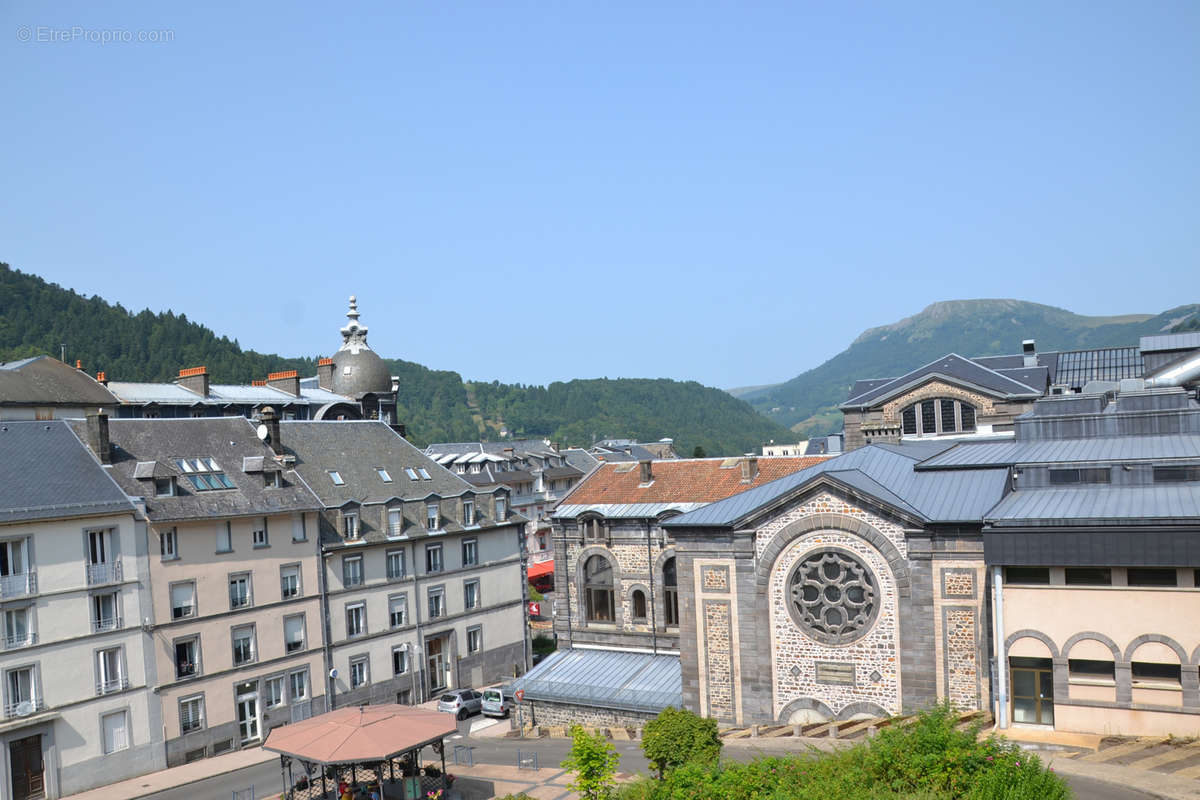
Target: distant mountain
x=37 y=317
x=808 y=403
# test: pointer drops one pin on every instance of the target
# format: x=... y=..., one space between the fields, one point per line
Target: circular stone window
x=833 y=596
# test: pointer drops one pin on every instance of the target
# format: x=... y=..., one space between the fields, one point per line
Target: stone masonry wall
x=542 y=713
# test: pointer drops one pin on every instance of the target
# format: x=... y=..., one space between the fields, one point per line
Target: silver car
x=497 y=702
x=461 y=702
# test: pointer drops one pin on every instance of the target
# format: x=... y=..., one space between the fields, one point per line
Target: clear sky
x=724 y=192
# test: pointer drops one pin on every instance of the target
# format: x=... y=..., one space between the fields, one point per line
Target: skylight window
x=336 y=477
x=384 y=476
x=204 y=474
x=424 y=473
x=411 y=473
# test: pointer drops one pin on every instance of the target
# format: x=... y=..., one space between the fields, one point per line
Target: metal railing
x=114 y=623
x=244 y=794
x=104 y=573
x=112 y=685
x=24 y=583
x=464 y=755
x=23 y=708
x=527 y=759
x=20 y=640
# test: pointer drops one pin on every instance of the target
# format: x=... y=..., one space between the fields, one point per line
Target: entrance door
x=247 y=712
x=28 y=773
x=1032 y=690
x=434 y=650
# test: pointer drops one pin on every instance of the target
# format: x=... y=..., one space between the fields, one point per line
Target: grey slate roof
x=47 y=473
x=580 y=459
x=606 y=679
x=1064 y=451
x=1098 y=505
x=954 y=367
x=227 y=440
x=884 y=472
x=42 y=380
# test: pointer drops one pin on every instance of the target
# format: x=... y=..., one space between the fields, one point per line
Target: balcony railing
x=14 y=640
x=18 y=585
x=101 y=624
x=112 y=685
x=23 y=708
x=104 y=573
x=185 y=669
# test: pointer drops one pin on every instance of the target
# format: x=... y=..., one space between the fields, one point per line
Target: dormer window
x=468 y=512
x=350 y=526
x=936 y=417
x=432 y=517
x=383 y=475
x=501 y=507
x=164 y=487
x=336 y=477
x=273 y=479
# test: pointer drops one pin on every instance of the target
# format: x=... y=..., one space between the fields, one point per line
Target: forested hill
x=36 y=317
x=970 y=328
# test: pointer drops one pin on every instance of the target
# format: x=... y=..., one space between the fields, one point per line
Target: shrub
x=677 y=736
x=594 y=762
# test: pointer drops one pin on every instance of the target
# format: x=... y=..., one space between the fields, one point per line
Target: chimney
x=194 y=379
x=647 y=473
x=749 y=468
x=97 y=431
x=325 y=373
x=1029 y=350
x=102 y=378
x=78 y=364
x=286 y=381
x=269 y=418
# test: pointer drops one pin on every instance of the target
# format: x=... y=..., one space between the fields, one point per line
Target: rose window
x=833 y=596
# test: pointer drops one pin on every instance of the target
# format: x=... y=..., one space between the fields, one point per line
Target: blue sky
x=724 y=192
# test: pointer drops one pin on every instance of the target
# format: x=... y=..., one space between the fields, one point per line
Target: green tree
x=698 y=452
x=677 y=736
x=594 y=762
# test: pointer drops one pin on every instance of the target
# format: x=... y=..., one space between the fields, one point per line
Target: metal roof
x=171 y=393
x=951 y=366
x=1169 y=341
x=1077 y=368
x=1064 y=451
x=606 y=679
x=1098 y=505
x=625 y=510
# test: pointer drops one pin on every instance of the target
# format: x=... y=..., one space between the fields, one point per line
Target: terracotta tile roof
x=361 y=734
x=684 y=480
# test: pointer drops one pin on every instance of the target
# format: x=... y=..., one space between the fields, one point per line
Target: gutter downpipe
x=419 y=644
x=653 y=619
x=1001 y=654
x=323 y=587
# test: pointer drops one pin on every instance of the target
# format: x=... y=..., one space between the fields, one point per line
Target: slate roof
x=46 y=381
x=606 y=679
x=1098 y=505
x=47 y=473
x=580 y=459
x=951 y=366
x=227 y=440
x=683 y=480
x=1064 y=451
x=881 y=471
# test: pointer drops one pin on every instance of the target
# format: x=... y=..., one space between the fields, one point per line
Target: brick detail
x=715 y=579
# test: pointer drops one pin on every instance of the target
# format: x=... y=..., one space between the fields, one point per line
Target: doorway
x=435 y=653
x=28 y=770
x=247 y=712
x=1032 y=690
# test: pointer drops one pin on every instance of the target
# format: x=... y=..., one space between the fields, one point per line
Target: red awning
x=541 y=568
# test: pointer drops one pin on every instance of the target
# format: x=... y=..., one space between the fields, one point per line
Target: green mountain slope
x=808 y=402
x=37 y=317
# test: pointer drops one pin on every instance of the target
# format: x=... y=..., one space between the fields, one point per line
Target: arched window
x=670 y=593
x=638 y=599
x=598 y=589
x=939 y=415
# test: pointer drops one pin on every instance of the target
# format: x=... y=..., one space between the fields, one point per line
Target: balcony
x=102 y=624
x=19 y=585
x=112 y=685
x=14 y=640
x=23 y=708
x=98 y=574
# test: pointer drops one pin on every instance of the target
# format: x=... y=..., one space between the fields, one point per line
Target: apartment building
x=235 y=619
x=424 y=581
x=76 y=657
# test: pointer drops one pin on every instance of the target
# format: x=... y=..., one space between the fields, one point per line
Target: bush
x=543 y=645
x=677 y=737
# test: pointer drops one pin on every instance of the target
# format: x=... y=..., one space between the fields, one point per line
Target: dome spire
x=354 y=335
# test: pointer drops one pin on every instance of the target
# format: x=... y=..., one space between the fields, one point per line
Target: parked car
x=461 y=702
x=497 y=702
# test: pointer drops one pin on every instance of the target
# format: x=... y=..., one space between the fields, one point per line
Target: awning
x=610 y=679
x=541 y=568
x=361 y=735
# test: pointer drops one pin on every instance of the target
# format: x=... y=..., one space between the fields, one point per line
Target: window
x=289 y=581
x=670 y=593
x=1027 y=575
x=1151 y=576
x=293 y=633
x=638 y=601
x=299 y=528
x=100 y=553
x=225 y=537
x=352 y=571
x=350 y=525
x=399 y=660
x=1089 y=576
x=336 y=477
x=116 y=731
x=273 y=691
x=395 y=523
x=20 y=687
x=433 y=558
x=471 y=595
x=942 y=415
x=204 y=474
x=13 y=561
x=183 y=600
x=18 y=627
x=356 y=620
x=168 y=545
x=239 y=590
x=1157 y=675
x=437 y=602
x=1176 y=474
x=1064 y=477
x=258 y=536
x=501 y=507
x=298 y=685
x=411 y=473
x=395 y=565
x=398 y=610
x=110 y=671
x=468 y=512
x=598 y=589
x=359 y=672
x=1088 y=670
x=474 y=639
x=424 y=474
x=191 y=713
x=383 y=475
x=164 y=487
x=243 y=645
x=273 y=479
x=470 y=552
x=106 y=612
x=187 y=657
x=432 y=518
x=593 y=529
